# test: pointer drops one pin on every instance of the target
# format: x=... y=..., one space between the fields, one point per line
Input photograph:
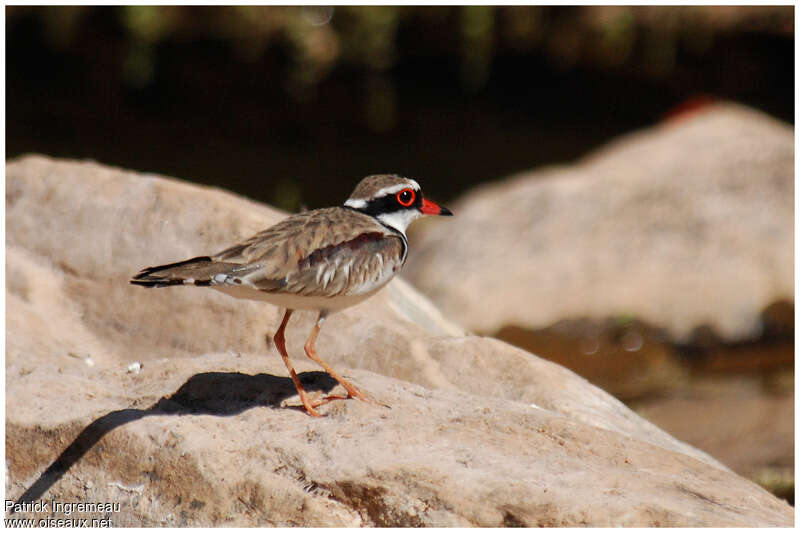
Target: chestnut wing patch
x=364 y=243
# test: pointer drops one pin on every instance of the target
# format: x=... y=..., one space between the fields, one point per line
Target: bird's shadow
x=209 y=393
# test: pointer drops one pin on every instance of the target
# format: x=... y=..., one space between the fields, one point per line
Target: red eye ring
x=406 y=197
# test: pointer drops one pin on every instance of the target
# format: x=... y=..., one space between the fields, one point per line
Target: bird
x=323 y=260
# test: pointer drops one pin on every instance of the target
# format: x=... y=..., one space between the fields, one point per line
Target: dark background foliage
x=291 y=105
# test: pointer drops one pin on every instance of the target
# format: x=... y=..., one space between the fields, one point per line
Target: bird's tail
x=195 y=271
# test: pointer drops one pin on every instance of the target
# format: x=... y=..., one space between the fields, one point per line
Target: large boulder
x=169 y=403
x=687 y=226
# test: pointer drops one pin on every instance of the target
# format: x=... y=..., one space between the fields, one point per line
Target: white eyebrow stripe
x=397 y=188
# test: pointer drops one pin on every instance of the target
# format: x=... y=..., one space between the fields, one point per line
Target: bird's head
x=394 y=200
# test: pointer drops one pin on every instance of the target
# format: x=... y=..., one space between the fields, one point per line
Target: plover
x=323 y=260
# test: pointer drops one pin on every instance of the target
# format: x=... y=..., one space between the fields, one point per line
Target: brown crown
x=369 y=186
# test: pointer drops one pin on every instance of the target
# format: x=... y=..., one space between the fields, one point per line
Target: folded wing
x=326 y=252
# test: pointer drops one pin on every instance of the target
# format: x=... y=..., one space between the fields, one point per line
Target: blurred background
x=292 y=105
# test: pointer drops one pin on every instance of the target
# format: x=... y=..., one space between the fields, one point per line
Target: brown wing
x=325 y=252
x=360 y=265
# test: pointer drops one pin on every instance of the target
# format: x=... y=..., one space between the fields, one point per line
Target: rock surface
x=198 y=433
x=685 y=225
x=760 y=438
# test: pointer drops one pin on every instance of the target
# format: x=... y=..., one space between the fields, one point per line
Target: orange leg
x=280 y=342
x=352 y=390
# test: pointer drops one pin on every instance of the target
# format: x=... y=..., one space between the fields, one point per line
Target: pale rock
x=682 y=225
x=208 y=431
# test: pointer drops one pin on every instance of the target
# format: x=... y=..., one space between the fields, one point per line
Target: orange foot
x=316 y=401
x=355 y=392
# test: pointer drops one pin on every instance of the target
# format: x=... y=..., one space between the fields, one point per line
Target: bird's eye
x=406 y=197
